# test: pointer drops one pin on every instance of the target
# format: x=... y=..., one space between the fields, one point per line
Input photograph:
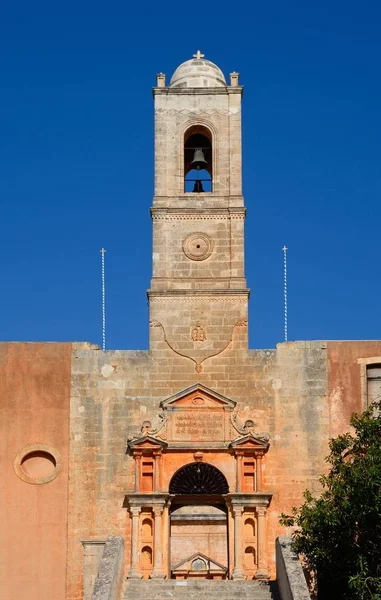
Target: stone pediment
x=198 y=396
x=197 y=418
x=251 y=442
x=199 y=563
x=147 y=442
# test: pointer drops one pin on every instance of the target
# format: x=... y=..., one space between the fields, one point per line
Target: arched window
x=249 y=528
x=250 y=561
x=198 y=164
x=198 y=478
x=146 y=528
x=146 y=557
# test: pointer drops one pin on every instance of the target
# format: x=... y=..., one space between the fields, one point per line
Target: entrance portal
x=193 y=523
x=199 y=536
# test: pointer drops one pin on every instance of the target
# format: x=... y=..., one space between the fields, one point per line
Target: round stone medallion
x=198 y=246
x=37 y=463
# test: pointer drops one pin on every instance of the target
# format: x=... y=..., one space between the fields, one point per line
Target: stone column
x=156 y=485
x=258 y=468
x=238 y=549
x=134 y=572
x=262 y=572
x=158 y=572
x=166 y=539
x=239 y=456
x=137 y=457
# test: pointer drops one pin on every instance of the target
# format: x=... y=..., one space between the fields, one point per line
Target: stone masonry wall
x=175 y=111
x=284 y=391
x=172 y=269
x=301 y=394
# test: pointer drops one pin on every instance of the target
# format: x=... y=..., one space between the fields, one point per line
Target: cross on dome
x=198 y=55
x=197 y=72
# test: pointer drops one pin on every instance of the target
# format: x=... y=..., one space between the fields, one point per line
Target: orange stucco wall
x=34 y=409
x=344 y=380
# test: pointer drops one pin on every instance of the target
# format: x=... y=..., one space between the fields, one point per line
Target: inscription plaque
x=198 y=426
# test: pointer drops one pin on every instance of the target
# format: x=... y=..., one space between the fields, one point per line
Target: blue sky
x=76 y=161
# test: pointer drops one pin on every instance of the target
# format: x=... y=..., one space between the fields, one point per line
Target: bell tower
x=198 y=292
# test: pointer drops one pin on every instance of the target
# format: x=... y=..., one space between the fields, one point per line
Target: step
x=166 y=589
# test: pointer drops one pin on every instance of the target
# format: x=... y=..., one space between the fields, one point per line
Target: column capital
x=261 y=511
x=157 y=510
x=237 y=510
x=135 y=510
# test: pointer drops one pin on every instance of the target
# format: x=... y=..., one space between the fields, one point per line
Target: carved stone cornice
x=138 y=500
x=258 y=499
x=189 y=294
x=189 y=91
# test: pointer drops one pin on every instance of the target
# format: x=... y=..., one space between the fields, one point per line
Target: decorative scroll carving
x=148 y=430
x=248 y=428
x=198 y=364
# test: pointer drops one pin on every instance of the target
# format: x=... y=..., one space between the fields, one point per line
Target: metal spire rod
x=103 y=251
x=285 y=291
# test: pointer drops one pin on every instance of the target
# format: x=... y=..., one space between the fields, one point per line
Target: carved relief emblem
x=198 y=246
x=198 y=400
x=198 y=333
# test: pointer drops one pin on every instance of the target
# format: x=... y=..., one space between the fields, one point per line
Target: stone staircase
x=171 y=589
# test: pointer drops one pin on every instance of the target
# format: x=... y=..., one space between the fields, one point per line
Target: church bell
x=198 y=187
x=199 y=161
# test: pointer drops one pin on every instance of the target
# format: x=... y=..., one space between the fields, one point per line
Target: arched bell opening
x=198 y=515
x=198 y=163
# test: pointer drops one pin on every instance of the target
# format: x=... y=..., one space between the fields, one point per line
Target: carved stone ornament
x=248 y=428
x=147 y=428
x=198 y=418
x=198 y=246
x=198 y=333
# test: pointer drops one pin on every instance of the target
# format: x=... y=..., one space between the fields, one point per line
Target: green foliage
x=340 y=532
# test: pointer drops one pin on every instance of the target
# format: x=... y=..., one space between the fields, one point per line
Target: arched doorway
x=198 y=522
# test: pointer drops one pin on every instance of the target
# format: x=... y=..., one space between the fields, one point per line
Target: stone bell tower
x=198 y=296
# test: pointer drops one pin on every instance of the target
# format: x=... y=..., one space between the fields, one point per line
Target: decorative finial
x=198 y=55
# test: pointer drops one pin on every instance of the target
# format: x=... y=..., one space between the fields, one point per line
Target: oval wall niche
x=37 y=463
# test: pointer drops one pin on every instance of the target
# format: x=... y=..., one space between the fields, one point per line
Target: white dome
x=197 y=73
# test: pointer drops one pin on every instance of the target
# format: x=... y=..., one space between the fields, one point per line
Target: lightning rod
x=285 y=292
x=103 y=251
